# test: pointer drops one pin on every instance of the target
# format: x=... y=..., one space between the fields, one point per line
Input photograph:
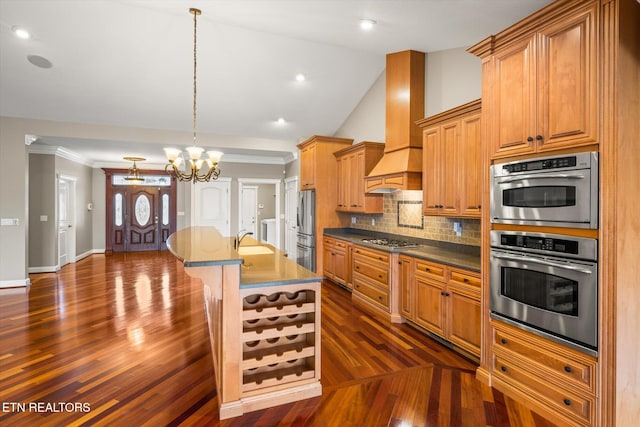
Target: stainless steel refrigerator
x=306 y=229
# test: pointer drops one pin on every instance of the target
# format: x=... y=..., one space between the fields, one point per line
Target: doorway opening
x=66 y=220
x=267 y=214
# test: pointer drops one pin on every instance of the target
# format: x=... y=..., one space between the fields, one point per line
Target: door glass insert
x=117 y=208
x=165 y=209
x=142 y=209
x=548 y=196
x=541 y=290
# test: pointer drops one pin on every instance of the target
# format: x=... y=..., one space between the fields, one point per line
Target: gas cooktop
x=393 y=243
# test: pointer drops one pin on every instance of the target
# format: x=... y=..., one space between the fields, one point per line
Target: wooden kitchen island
x=263 y=312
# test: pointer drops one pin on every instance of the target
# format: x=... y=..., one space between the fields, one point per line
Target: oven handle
x=525 y=177
x=544 y=262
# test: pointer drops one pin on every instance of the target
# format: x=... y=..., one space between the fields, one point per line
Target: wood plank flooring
x=123 y=340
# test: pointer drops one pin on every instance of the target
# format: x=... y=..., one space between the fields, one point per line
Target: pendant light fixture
x=195 y=163
x=133 y=176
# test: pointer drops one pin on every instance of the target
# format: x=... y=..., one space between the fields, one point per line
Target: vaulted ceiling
x=130 y=62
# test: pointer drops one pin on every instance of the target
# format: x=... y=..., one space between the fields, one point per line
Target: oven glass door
x=552 y=294
x=554 y=197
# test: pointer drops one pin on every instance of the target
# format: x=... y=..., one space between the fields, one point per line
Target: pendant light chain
x=195 y=12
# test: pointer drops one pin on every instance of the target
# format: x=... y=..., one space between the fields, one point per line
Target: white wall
x=452 y=77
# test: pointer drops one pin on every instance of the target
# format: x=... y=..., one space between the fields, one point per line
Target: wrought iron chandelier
x=195 y=162
x=133 y=176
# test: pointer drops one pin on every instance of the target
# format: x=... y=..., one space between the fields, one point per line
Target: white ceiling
x=130 y=62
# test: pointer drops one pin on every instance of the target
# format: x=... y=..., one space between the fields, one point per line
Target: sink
x=254 y=250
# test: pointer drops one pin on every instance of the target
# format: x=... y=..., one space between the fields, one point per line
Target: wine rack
x=280 y=337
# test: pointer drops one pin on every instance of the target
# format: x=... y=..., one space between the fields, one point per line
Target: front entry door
x=141 y=219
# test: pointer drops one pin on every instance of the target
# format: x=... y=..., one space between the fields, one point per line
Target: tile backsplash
x=410 y=222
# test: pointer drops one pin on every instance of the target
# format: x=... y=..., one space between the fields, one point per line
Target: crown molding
x=60 y=152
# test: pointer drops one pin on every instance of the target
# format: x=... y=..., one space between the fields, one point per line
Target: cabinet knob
x=503 y=368
x=539 y=137
x=465 y=280
x=357 y=267
x=380 y=258
x=567 y=402
x=504 y=341
x=380 y=297
x=479 y=206
x=530 y=139
x=427 y=269
x=568 y=369
x=379 y=276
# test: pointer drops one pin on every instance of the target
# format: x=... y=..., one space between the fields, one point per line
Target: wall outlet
x=9 y=221
x=457 y=227
x=373 y=221
x=353 y=220
x=44 y=218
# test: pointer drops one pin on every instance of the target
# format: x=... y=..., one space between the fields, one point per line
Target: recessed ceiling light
x=367 y=24
x=300 y=77
x=281 y=121
x=21 y=33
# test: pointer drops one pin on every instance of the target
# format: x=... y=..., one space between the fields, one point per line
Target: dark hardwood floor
x=122 y=340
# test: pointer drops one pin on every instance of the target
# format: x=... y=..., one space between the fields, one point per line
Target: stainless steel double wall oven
x=543 y=282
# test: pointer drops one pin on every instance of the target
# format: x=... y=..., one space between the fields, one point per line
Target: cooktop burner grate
x=392 y=243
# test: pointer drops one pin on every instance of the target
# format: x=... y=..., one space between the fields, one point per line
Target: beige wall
x=42 y=201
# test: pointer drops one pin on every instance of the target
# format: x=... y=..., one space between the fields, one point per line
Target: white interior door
x=211 y=205
x=66 y=230
x=290 y=210
x=249 y=210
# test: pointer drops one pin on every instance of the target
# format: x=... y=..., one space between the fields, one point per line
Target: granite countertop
x=453 y=254
x=205 y=246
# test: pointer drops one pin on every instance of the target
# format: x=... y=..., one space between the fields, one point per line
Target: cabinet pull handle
x=504 y=341
x=529 y=139
x=465 y=280
x=568 y=369
x=503 y=368
x=567 y=402
x=539 y=137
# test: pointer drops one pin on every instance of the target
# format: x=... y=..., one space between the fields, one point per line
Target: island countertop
x=205 y=246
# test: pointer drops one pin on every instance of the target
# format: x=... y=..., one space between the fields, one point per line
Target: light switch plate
x=9 y=221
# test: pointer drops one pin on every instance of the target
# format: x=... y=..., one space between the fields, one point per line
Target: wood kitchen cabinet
x=354 y=164
x=544 y=90
x=451 y=175
x=370 y=275
x=337 y=261
x=443 y=300
x=318 y=171
x=562 y=379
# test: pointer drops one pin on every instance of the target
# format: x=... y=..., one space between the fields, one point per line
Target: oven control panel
x=540 y=243
x=545 y=243
x=535 y=165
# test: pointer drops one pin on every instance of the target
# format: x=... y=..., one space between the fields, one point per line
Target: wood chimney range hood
x=400 y=168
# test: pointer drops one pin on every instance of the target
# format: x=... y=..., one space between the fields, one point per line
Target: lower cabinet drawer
x=378 y=273
x=566 y=402
x=371 y=292
x=563 y=363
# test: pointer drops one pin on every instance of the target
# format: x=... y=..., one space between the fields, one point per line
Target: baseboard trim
x=56 y=268
x=4 y=284
x=45 y=269
x=89 y=253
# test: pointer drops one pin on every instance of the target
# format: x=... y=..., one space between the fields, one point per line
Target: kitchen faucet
x=241 y=235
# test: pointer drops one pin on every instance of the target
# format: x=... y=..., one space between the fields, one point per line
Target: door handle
x=525 y=177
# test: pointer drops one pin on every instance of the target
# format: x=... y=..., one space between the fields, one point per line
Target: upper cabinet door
x=514 y=100
x=567 y=82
